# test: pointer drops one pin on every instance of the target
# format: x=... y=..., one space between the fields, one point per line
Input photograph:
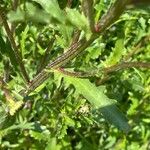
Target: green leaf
x=2 y=45
x=24 y=36
x=6 y=49
x=52 y=145
x=32 y=13
x=39 y=135
x=25 y=125
x=66 y=32
x=69 y=121
x=76 y=19
x=52 y=7
x=95 y=95
x=3 y=113
x=117 y=53
x=16 y=16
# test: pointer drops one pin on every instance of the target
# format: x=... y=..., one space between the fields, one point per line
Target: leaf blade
x=100 y=101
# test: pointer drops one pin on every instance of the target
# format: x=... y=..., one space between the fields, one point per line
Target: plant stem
x=14 y=7
x=76 y=37
x=44 y=58
x=87 y=7
x=59 y=61
x=117 y=67
x=14 y=46
x=126 y=65
x=107 y=70
x=112 y=15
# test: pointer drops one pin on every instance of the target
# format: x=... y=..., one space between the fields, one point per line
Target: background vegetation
x=74 y=74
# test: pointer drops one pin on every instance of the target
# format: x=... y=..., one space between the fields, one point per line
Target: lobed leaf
x=95 y=95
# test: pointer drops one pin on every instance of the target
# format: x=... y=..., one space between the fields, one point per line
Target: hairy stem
x=112 y=15
x=126 y=65
x=78 y=47
x=107 y=70
x=14 y=46
x=88 y=9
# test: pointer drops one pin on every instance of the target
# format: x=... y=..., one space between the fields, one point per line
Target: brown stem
x=74 y=74
x=102 y=80
x=138 y=2
x=14 y=46
x=14 y=7
x=107 y=71
x=15 y=4
x=112 y=15
x=88 y=9
x=69 y=3
x=59 y=61
x=78 y=47
x=125 y=66
x=76 y=36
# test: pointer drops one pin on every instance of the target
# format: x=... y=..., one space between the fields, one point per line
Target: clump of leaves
x=62 y=76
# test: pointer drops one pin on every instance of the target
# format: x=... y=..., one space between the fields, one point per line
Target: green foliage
x=105 y=110
x=100 y=101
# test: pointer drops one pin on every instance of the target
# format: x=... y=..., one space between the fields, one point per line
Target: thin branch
x=88 y=9
x=14 y=7
x=40 y=78
x=105 y=71
x=76 y=36
x=112 y=15
x=117 y=67
x=74 y=74
x=59 y=61
x=69 y=3
x=43 y=61
x=139 y=2
x=126 y=65
x=15 y=4
x=14 y=46
x=102 y=80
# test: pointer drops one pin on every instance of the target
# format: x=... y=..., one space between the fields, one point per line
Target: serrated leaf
x=14 y=106
x=66 y=31
x=99 y=101
x=32 y=13
x=116 y=54
x=52 y=7
x=96 y=97
x=39 y=135
x=77 y=19
x=24 y=36
x=69 y=121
